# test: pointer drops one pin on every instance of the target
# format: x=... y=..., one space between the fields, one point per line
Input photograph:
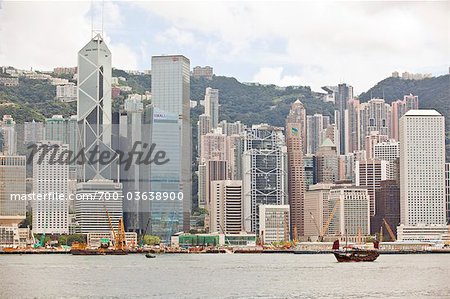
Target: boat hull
x=98 y=252
x=356 y=256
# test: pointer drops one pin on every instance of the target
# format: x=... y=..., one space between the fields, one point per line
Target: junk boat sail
x=355 y=254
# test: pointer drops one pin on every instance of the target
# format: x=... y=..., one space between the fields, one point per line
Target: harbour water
x=223 y=276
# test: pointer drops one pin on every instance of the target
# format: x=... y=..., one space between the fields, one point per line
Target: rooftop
x=422 y=112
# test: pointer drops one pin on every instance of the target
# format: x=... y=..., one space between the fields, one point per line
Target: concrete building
x=203 y=128
x=352 y=138
x=66 y=93
x=212 y=105
x=296 y=170
x=203 y=72
x=33 y=132
x=9 y=135
x=399 y=108
x=94 y=200
x=172 y=132
x=51 y=181
x=226 y=214
x=274 y=223
x=310 y=165
x=370 y=141
x=316 y=206
x=12 y=211
x=369 y=174
x=327 y=162
x=422 y=169
x=264 y=172
x=352 y=216
x=389 y=151
x=447 y=189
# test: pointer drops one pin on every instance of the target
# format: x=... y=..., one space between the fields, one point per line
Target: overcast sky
x=284 y=43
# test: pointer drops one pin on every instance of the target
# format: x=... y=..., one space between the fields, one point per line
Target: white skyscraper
x=212 y=105
x=422 y=162
x=51 y=181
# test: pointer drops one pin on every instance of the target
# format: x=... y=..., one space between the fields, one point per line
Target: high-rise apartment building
x=51 y=182
x=422 y=168
x=399 y=108
x=375 y=115
x=296 y=171
x=33 y=132
x=171 y=132
x=314 y=132
x=9 y=135
x=369 y=174
x=389 y=151
x=212 y=105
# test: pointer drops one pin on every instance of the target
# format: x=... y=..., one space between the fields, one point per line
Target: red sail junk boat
x=355 y=254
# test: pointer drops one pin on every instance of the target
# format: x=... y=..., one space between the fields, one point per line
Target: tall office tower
x=135 y=177
x=316 y=209
x=64 y=130
x=33 y=132
x=12 y=210
x=296 y=170
x=369 y=174
x=96 y=199
x=51 y=181
x=212 y=105
x=8 y=128
x=264 y=172
x=399 y=108
x=171 y=132
x=422 y=167
x=94 y=108
x=327 y=163
x=387 y=206
x=352 y=139
x=226 y=207
x=314 y=132
x=203 y=128
x=371 y=140
x=347 y=167
x=310 y=166
x=375 y=115
x=352 y=215
x=345 y=93
x=229 y=129
x=447 y=189
x=299 y=109
x=274 y=223
x=389 y=151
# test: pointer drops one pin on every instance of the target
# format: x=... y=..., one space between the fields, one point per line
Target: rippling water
x=223 y=276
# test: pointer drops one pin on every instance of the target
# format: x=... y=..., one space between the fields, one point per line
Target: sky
x=284 y=43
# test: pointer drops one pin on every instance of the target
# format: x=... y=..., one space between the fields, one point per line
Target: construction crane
x=388 y=227
x=324 y=229
x=119 y=237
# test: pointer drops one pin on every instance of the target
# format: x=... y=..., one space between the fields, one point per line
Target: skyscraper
x=296 y=171
x=212 y=105
x=94 y=106
x=226 y=213
x=314 y=132
x=264 y=172
x=51 y=180
x=327 y=162
x=375 y=115
x=447 y=189
x=345 y=93
x=12 y=211
x=422 y=167
x=171 y=133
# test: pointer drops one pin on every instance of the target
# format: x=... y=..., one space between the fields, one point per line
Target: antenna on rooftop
x=99 y=30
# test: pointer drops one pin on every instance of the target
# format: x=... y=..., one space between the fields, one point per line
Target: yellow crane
x=119 y=237
x=388 y=227
x=324 y=229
